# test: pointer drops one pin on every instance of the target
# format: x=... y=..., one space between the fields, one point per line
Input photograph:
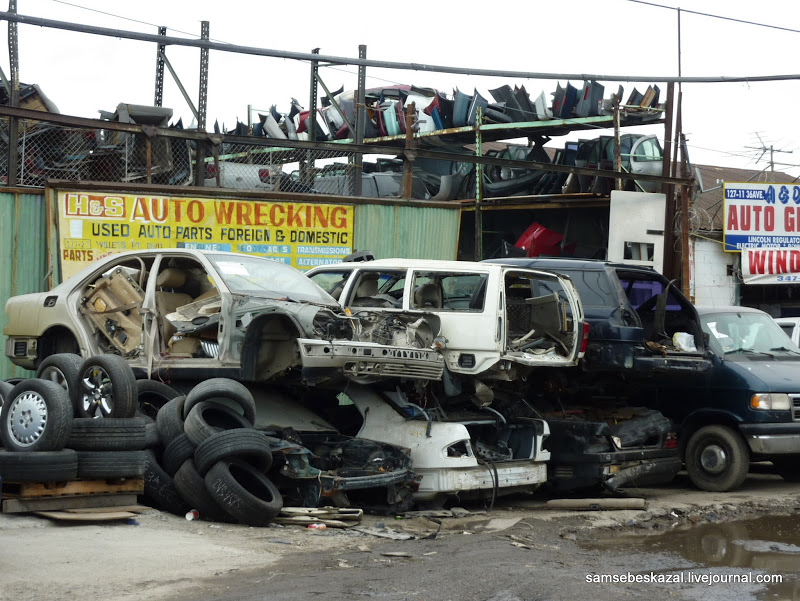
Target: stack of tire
x=212 y=459
x=49 y=425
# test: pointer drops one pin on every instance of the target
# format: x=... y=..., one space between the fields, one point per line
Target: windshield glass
x=264 y=277
x=746 y=333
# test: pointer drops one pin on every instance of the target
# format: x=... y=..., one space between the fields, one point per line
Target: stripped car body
x=185 y=312
x=498 y=325
x=315 y=464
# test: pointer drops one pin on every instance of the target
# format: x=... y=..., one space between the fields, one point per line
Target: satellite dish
x=698 y=179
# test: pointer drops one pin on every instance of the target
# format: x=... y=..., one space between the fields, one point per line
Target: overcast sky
x=84 y=73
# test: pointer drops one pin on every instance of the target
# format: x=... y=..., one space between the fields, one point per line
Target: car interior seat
x=167 y=299
x=428 y=296
x=367 y=289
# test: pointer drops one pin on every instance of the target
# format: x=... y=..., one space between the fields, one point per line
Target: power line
x=694 y=12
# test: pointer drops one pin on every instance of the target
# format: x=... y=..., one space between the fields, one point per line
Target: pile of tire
x=211 y=459
x=92 y=419
x=49 y=427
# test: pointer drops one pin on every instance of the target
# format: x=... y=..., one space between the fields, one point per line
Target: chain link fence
x=266 y=167
x=52 y=151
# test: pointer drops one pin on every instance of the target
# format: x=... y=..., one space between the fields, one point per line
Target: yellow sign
x=303 y=235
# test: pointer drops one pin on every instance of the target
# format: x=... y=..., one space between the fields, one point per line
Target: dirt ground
x=516 y=551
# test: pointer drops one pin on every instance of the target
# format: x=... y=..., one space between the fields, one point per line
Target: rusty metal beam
x=211 y=192
x=13 y=124
x=158 y=96
x=361 y=124
x=202 y=100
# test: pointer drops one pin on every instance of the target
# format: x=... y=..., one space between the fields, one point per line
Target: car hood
x=774 y=376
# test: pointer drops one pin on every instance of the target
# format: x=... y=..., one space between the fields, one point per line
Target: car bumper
x=21 y=351
x=364 y=360
x=512 y=475
x=612 y=470
x=772 y=439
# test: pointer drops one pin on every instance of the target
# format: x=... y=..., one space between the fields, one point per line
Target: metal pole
x=202 y=147
x=361 y=123
x=202 y=100
x=408 y=162
x=158 y=98
x=339 y=60
x=617 y=153
x=13 y=123
x=478 y=187
x=307 y=170
x=686 y=284
x=668 y=190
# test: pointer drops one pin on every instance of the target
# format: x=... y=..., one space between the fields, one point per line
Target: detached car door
x=542 y=321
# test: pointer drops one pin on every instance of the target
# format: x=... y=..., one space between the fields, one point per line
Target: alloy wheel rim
x=97 y=394
x=55 y=375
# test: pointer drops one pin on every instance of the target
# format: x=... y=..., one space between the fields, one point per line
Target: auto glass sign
x=771 y=266
x=303 y=235
x=761 y=215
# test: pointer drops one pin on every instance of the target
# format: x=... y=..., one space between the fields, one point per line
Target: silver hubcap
x=27 y=418
x=714 y=459
x=55 y=375
x=97 y=394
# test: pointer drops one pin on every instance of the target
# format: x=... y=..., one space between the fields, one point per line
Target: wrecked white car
x=466 y=434
x=189 y=314
x=496 y=321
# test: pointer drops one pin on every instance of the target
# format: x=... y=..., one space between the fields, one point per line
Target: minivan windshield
x=746 y=333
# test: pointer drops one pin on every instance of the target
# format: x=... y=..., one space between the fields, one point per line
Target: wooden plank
x=74 y=487
x=98 y=516
x=63 y=503
x=129 y=508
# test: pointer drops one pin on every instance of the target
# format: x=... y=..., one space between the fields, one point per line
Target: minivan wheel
x=717 y=459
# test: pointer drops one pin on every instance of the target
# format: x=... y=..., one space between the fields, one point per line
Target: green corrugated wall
x=23 y=256
x=407 y=232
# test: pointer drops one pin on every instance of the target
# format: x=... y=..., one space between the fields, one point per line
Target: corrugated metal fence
x=23 y=255
x=405 y=231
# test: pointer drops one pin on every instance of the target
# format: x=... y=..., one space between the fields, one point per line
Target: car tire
x=111 y=464
x=36 y=416
x=192 y=489
x=243 y=492
x=169 y=421
x=207 y=418
x=176 y=452
x=245 y=444
x=717 y=458
x=224 y=391
x=5 y=390
x=106 y=388
x=151 y=439
x=44 y=466
x=63 y=369
x=110 y=434
x=159 y=487
x=152 y=395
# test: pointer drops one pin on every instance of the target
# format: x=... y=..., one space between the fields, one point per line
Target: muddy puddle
x=767 y=545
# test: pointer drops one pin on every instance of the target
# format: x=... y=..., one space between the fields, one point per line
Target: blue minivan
x=728 y=377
